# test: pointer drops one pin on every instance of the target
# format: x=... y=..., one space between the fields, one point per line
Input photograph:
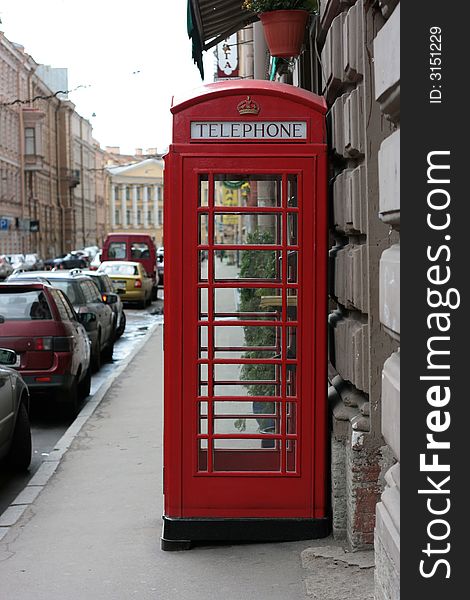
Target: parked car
x=17 y=261
x=33 y=262
x=134 y=247
x=95 y=263
x=5 y=267
x=130 y=277
x=85 y=297
x=15 y=431
x=109 y=292
x=66 y=263
x=52 y=346
x=160 y=266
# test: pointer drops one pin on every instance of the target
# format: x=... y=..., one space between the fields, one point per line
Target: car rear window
x=117 y=250
x=140 y=250
x=29 y=305
x=120 y=270
x=68 y=287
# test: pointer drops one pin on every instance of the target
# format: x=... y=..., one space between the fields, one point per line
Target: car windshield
x=68 y=288
x=119 y=269
x=24 y=305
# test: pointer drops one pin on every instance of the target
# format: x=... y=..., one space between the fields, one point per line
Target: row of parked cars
x=56 y=329
x=59 y=320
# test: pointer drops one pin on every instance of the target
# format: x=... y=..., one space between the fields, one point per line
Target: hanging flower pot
x=284 y=31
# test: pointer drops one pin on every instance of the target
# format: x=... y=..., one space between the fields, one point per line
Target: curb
x=48 y=467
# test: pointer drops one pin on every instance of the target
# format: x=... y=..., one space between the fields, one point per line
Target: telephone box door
x=249 y=314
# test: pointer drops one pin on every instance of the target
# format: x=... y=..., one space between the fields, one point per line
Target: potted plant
x=283 y=22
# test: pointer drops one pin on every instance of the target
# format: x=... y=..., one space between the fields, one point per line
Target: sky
x=134 y=56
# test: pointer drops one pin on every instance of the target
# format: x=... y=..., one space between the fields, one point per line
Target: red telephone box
x=245 y=316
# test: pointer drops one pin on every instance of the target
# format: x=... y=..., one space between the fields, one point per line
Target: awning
x=211 y=21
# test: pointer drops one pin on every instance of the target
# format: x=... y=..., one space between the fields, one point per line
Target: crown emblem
x=248 y=107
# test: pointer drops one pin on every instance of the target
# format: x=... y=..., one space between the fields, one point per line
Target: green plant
x=260 y=6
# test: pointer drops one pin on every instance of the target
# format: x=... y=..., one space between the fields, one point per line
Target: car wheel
x=108 y=352
x=71 y=400
x=85 y=384
x=96 y=356
x=19 y=456
x=122 y=325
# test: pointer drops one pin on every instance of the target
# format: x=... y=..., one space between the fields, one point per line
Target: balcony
x=70 y=176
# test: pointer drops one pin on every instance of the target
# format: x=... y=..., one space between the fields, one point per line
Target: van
x=137 y=247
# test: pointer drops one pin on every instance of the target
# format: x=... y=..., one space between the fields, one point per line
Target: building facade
x=49 y=199
x=135 y=198
x=351 y=57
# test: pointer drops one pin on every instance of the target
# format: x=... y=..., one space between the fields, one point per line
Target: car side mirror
x=86 y=318
x=7 y=357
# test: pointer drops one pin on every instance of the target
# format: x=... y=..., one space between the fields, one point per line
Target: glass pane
x=292 y=235
x=247 y=228
x=291 y=304
x=203 y=425
x=203 y=341
x=203 y=229
x=243 y=390
x=246 y=372
x=202 y=265
x=292 y=342
x=247 y=342
x=292 y=266
x=291 y=408
x=291 y=456
x=292 y=191
x=246 y=425
x=202 y=455
x=291 y=380
x=203 y=408
x=247 y=380
x=230 y=407
x=246 y=455
x=203 y=304
x=248 y=304
x=202 y=390
x=248 y=190
x=203 y=190
x=249 y=265
x=203 y=373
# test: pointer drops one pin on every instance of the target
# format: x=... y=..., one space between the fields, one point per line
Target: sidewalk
x=93 y=533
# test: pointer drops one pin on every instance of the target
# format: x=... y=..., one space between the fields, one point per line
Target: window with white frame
x=30 y=140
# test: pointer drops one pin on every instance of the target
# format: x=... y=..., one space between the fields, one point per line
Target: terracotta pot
x=284 y=31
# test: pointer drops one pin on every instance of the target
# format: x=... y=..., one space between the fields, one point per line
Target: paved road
x=47 y=426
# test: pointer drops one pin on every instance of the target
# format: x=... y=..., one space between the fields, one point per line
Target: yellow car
x=130 y=280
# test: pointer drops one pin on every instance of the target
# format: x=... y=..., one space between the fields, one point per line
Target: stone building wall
x=361 y=241
x=387 y=94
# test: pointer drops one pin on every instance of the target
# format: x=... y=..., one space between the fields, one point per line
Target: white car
x=95 y=263
x=5 y=268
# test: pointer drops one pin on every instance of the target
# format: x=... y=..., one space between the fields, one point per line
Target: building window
x=160 y=216
x=128 y=216
x=139 y=216
x=128 y=193
x=138 y=193
x=117 y=217
x=30 y=140
x=149 y=217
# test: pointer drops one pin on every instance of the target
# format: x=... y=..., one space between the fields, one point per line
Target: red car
x=52 y=346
